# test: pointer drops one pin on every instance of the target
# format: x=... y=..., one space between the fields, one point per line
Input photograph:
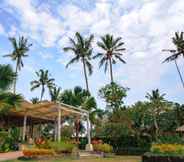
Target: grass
x=114 y=159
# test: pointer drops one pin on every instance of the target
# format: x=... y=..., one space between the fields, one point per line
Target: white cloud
x=2 y=29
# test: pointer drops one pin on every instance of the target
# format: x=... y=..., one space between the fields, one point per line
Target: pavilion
x=29 y=115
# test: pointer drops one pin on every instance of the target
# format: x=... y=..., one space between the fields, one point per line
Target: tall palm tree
x=158 y=104
x=113 y=48
x=43 y=81
x=178 y=41
x=20 y=48
x=82 y=50
x=7 y=100
x=55 y=94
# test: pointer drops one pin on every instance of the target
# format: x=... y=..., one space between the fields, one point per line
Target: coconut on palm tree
x=8 y=100
x=82 y=50
x=44 y=81
x=178 y=41
x=20 y=48
x=113 y=48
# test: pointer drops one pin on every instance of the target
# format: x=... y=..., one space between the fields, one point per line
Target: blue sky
x=146 y=27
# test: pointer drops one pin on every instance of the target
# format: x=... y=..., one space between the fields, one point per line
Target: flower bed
x=38 y=152
x=165 y=153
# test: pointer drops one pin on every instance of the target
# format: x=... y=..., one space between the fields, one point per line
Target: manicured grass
x=114 y=159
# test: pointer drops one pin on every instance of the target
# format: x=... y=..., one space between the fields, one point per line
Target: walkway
x=10 y=155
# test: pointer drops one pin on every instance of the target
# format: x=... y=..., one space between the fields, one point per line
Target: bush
x=168 y=149
x=62 y=147
x=106 y=148
x=42 y=143
x=37 y=152
x=131 y=151
x=171 y=139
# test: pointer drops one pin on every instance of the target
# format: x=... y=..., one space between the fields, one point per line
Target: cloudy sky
x=146 y=27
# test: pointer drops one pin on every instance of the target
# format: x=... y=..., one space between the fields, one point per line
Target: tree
x=113 y=48
x=80 y=98
x=20 y=48
x=35 y=100
x=55 y=94
x=158 y=105
x=82 y=50
x=8 y=100
x=113 y=95
x=178 y=41
x=43 y=81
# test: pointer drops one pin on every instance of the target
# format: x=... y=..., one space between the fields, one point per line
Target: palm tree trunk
x=42 y=92
x=111 y=74
x=15 y=81
x=85 y=74
x=177 y=67
x=156 y=128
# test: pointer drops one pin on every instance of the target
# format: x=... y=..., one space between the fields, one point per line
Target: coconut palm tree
x=158 y=104
x=82 y=50
x=20 y=48
x=178 y=41
x=8 y=100
x=113 y=48
x=43 y=81
x=55 y=94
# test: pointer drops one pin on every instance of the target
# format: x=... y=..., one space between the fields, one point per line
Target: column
x=88 y=130
x=24 y=128
x=59 y=125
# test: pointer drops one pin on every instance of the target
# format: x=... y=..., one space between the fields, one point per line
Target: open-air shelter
x=29 y=114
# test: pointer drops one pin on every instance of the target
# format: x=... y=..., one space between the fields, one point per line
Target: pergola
x=47 y=111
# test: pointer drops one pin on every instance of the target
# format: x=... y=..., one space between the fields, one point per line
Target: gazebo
x=44 y=112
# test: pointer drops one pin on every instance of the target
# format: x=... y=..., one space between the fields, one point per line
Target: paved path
x=10 y=155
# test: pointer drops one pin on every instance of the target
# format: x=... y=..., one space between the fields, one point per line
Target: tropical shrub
x=106 y=148
x=41 y=143
x=62 y=147
x=168 y=149
x=37 y=152
x=171 y=139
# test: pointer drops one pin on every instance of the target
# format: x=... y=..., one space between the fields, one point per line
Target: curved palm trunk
x=181 y=78
x=15 y=81
x=85 y=75
x=111 y=74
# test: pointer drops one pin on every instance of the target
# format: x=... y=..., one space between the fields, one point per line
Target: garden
x=118 y=132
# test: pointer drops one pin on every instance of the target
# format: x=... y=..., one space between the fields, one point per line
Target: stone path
x=10 y=155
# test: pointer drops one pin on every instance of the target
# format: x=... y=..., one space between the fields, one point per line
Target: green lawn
x=114 y=159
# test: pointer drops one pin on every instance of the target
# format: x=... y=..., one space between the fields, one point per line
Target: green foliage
x=43 y=81
x=10 y=142
x=62 y=147
x=106 y=148
x=171 y=139
x=7 y=76
x=113 y=95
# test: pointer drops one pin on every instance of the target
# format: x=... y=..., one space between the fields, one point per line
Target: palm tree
x=80 y=98
x=113 y=48
x=55 y=94
x=158 y=104
x=43 y=81
x=20 y=48
x=7 y=77
x=82 y=50
x=178 y=41
x=7 y=100
x=35 y=100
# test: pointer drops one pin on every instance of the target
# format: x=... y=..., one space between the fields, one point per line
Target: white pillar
x=24 y=128
x=89 y=146
x=55 y=130
x=59 y=125
x=88 y=130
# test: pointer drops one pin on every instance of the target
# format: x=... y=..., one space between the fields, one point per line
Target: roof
x=47 y=110
x=180 y=129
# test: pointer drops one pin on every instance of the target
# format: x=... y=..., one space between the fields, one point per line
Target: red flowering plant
x=42 y=143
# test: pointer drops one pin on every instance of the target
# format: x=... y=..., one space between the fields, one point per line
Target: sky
x=146 y=27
